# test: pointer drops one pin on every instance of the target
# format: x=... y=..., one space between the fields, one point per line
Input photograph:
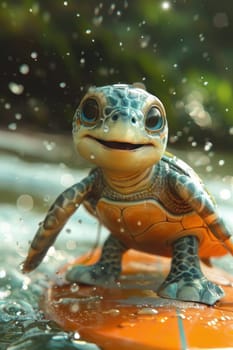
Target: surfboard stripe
x=181 y=329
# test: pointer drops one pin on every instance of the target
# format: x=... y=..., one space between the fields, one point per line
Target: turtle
x=147 y=198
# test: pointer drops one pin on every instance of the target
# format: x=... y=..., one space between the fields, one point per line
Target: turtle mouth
x=125 y=146
x=120 y=145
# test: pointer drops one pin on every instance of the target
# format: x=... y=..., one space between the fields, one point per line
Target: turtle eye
x=90 y=111
x=154 y=119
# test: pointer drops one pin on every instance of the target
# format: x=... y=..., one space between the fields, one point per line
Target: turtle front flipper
x=185 y=280
x=106 y=270
x=194 y=193
x=63 y=207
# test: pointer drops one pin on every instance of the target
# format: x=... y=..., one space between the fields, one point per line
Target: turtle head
x=120 y=127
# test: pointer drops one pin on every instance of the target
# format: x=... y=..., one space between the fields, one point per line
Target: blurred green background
x=52 y=51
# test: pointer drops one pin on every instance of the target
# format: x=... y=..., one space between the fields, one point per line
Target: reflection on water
x=27 y=189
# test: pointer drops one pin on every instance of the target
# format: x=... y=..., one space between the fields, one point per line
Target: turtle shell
x=147 y=226
x=152 y=220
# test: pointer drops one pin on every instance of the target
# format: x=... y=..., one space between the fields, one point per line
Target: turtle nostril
x=124 y=116
x=115 y=117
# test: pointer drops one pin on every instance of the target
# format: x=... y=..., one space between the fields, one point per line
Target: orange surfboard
x=129 y=315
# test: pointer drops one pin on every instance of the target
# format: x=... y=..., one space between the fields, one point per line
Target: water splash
x=40 y=340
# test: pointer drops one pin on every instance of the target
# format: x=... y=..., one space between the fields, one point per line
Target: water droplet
x=127 y=324
x=88 y=31
x=225 y=194
x=221 y=162
x=98 y=20
x=144 y=41
x=173 y=139
x=201 y=37
x=25 y=202
x=112 y=8
x=208 y=146
x=74 y=307
x=147 y=311
x=15 y=88
x=106 y=128
x=46 y=198
x=112 y=312
x=67 y=180
x=76 y=336
x=65 y=3
x=4 y=294
x=35 y=9
x=71 y=245
x=18 y=116
x=2 y=273
x=24 y=69
x=7 y=105
x=92 y=156
x=206 y=56
x=82 y=61
x=165 y=5
x=221 y=20
x=34 y=55
x=209 y=168
x=122 y=229
x=49 y=145
x=172 y=91
x=74 y=287
x=62 y=84
x=12 y=126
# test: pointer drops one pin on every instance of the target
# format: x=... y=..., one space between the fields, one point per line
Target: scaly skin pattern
x=149 y=200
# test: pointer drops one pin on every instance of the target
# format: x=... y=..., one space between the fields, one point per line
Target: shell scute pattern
x=119 y=99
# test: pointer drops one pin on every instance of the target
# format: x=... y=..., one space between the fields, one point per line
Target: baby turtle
x=149 y=200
